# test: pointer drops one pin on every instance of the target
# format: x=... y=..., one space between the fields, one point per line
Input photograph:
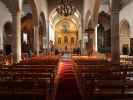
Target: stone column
x=91 y=41
x=47 y=34
x=16 y=36
x=115 y=51
x=36 y=40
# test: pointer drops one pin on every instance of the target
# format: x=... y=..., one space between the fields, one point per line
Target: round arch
x=5 y=17
x=55 y=19
x=104 y=18
x=104 y=33
x=7 y=38
x=33 y=4
x=31 y=21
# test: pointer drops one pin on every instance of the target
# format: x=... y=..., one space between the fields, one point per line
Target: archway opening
x=7 y=38
x=28 y=21
x=104 y=33
x=65 y=32
x=27 y=32
x=5 y=32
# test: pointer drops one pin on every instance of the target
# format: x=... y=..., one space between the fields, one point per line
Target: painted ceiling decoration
x=65 y=26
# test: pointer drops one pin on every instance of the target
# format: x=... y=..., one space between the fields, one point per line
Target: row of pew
x=8 y=59
x=98 y=79
x=125 y=59
x=34 y=81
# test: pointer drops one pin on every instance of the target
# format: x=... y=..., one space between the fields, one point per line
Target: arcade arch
x=61 y=26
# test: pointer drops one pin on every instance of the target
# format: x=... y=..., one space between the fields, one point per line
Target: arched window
x=124 y=27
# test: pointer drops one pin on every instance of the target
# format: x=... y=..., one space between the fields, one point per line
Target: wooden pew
x=91 y=61
x=103 y=80
x=1 y=59
x=10 y=90
x=20 y=74
x=34 y=77
x=40 y=61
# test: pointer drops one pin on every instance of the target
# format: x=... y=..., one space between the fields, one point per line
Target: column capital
x=115 y=32
x=36 y=26
x=115 y=11
x=15 y=14
x=115 y=4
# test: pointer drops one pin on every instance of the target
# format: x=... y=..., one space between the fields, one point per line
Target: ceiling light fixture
x=65 y=8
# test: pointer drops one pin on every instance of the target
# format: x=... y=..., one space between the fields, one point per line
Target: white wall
x=127 y=14
x=88 y=5
x=5 y=16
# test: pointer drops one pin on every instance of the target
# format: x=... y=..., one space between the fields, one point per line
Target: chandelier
x=65 y=8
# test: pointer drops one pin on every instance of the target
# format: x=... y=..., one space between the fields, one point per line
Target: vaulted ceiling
x=125 y=2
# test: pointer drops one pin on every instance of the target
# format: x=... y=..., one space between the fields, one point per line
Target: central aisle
x=67 y=88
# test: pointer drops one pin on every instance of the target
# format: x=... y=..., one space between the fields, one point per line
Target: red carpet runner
x=67 y=88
